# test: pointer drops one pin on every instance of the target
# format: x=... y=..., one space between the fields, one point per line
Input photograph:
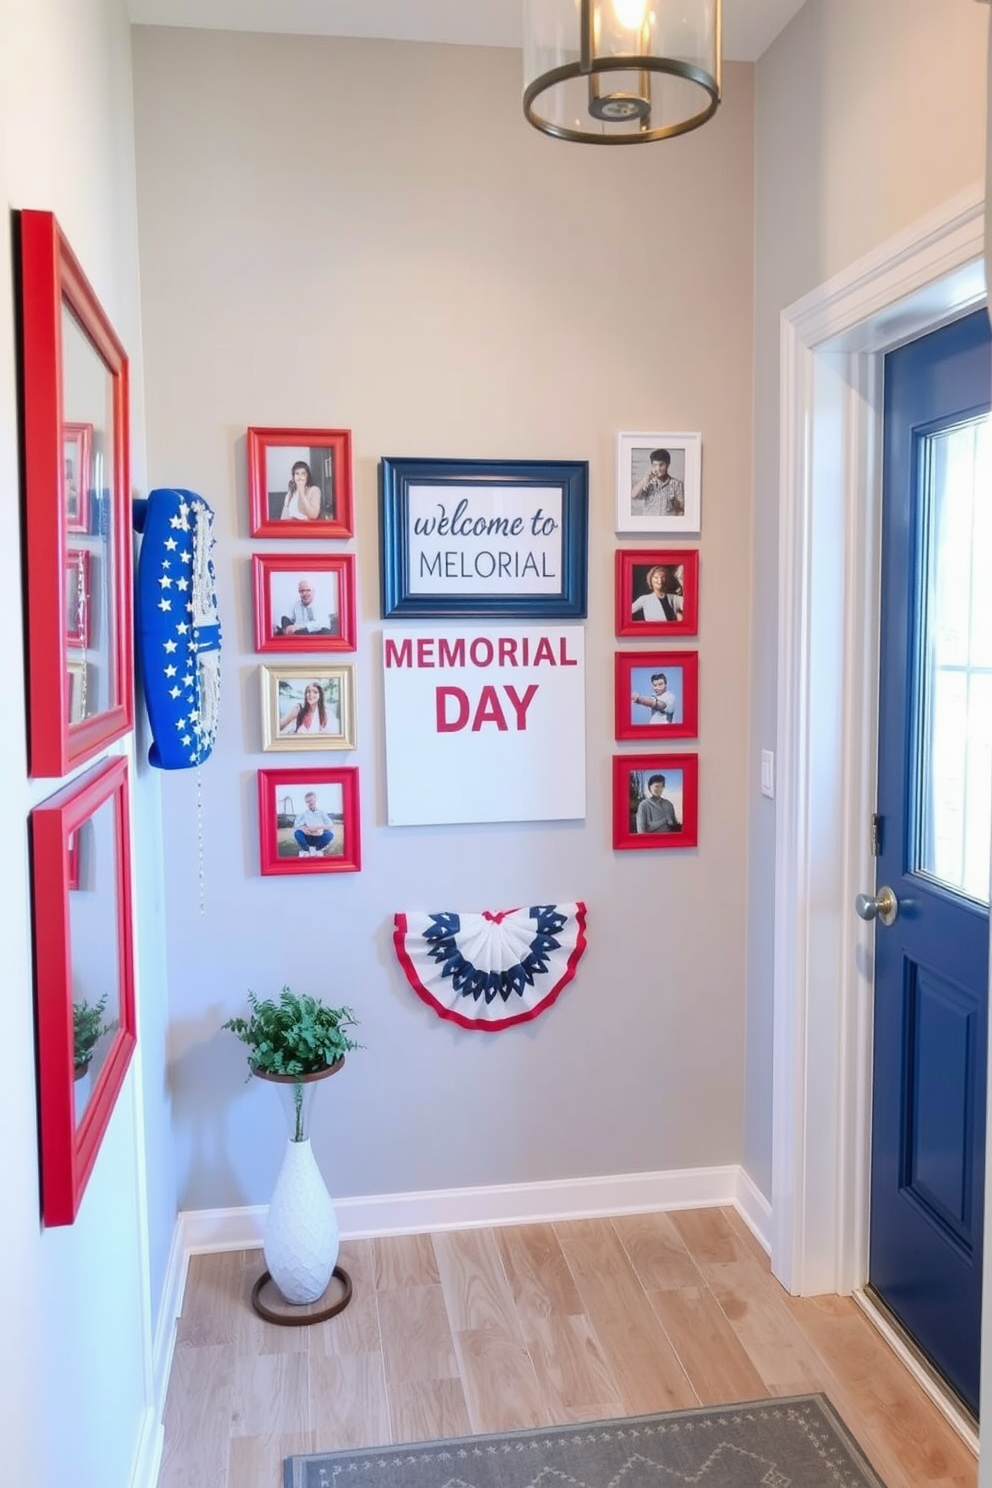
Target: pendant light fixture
x=621 y=72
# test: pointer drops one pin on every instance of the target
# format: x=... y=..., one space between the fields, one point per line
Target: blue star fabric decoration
x=178 y=634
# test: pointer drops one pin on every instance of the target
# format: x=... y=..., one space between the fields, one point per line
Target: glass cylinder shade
x=615 y=72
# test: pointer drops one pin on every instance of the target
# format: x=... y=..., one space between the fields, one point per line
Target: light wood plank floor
x=485 y=1330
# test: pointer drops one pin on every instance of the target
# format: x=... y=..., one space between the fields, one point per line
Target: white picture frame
x=644 y=505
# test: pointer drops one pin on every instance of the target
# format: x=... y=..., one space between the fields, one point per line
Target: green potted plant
x=295 y=1040
x=294 y=1037
x=88 y=1028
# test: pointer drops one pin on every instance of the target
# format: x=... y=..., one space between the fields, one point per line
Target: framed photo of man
x=657 y=592
x=655 y=801
x=308 y=821
x=658 y=483
x=299 y=482
x=657 y=695
x=304 y=603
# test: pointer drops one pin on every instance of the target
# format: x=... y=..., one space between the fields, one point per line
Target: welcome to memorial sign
x=484 y=538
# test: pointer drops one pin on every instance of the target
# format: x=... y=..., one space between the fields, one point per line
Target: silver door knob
x=883 y=906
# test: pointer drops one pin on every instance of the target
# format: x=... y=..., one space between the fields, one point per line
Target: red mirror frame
x=68 y=1149
x=51 y=276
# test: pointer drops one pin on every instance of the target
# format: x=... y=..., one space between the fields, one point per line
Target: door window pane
x=954 y=691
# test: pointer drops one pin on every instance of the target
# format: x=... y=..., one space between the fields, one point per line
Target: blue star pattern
x=178 y=627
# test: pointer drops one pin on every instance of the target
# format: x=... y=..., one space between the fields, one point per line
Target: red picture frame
x=320 y=503
x=59 y=305
x=77 y=442
x=642 y=607
x=279 y=585
x=631 y=774
x=284 y=798
x=77 y=593
x=644 y=708
x=72 y=951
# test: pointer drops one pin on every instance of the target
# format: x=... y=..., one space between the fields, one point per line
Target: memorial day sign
x=484 y=724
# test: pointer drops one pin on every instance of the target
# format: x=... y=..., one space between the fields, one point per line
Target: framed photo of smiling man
x=658 y=483
x=304 y=603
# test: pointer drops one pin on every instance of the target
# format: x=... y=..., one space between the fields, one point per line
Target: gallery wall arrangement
x=498 y=552
x=656 y=594
x=300 y=488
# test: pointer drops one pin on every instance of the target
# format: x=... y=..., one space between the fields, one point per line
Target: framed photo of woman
x=308 y=707
x=657 y=592
x=656 y=695
x=299 y=482
x=308 y=821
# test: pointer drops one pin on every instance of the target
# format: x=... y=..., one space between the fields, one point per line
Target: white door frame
x=832 y=344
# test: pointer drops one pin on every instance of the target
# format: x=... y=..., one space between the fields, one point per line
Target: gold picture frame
x=308 y=707
x=76 y=667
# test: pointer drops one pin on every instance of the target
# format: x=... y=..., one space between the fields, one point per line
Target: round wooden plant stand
x=301 y=1314
x=266 y=1298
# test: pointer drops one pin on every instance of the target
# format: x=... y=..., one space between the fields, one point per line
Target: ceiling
x=749 y=26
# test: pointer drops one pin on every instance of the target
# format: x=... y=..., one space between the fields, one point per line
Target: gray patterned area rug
x=795 y=1442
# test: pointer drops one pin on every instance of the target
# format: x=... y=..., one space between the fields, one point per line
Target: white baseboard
x=754 y=1209
x=148 y=1451
x=220 y=1229
x=501 y=1204
x=171 y=1305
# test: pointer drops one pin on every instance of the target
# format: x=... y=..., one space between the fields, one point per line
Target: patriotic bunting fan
x=494 y=969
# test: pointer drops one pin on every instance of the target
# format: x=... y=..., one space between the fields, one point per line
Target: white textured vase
x=301 y=1231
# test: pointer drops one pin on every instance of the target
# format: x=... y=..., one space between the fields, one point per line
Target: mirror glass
x=94 y=874
x=89 y=481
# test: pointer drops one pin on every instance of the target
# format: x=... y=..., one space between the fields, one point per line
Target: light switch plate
x=767 y=773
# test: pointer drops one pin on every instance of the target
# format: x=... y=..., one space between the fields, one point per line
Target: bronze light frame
x=627 y=106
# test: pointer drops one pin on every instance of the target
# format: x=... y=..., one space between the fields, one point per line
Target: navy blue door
x=934 y=790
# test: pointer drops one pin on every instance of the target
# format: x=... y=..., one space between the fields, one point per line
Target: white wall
x=326 y=243
x=868 y=116
x=77 y=1301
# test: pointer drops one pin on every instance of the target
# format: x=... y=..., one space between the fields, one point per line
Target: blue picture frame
x=500 y=538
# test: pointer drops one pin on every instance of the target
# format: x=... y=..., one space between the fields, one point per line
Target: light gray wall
x=367 y=235
x=77 y=1301
x=868 y=116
